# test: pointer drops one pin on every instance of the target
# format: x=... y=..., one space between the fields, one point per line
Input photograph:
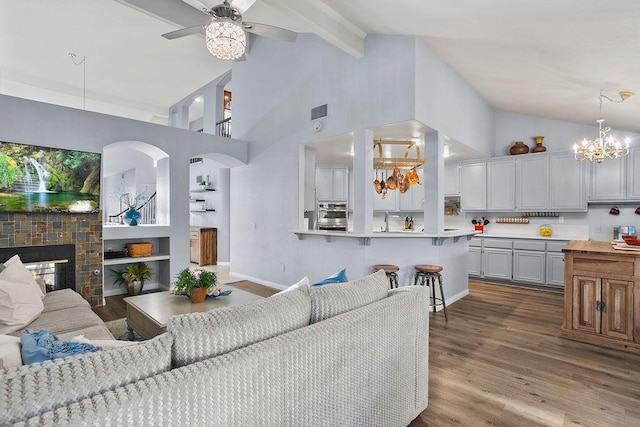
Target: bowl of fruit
x=545 y=230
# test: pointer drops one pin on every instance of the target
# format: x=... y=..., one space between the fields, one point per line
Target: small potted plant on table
x=195 y=283
x=133 y=275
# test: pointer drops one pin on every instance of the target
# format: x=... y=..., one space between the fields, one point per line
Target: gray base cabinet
x=529 y=266
x=497 y=263
x=531 y=261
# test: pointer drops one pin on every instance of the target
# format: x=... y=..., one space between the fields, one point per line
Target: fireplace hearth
x=55 y=264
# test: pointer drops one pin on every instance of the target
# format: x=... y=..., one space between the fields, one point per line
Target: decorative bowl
x=545 y=230
x=631 y=240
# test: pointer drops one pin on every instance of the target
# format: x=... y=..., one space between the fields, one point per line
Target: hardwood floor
x=499 y=361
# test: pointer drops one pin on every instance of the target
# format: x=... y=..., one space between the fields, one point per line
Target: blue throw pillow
x=339 y=277
x=38 y=346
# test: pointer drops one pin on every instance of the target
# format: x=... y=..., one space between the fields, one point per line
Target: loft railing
x=147 y=212
x=223 y=128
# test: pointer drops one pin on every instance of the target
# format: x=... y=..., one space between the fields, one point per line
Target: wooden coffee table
x=148 y=314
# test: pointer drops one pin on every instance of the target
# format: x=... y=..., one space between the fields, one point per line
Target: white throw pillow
x=10 y=352
x=302 y=283
x=15 y=271
x=19 y=305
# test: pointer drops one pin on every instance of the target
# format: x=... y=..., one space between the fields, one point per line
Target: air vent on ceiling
x=319 y=112
x=195 y=160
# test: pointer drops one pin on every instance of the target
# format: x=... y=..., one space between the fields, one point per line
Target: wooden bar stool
x=427 y=275
x=390 y=270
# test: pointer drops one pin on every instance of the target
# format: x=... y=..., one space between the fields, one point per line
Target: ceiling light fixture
x=605 y=145
x=225 y=39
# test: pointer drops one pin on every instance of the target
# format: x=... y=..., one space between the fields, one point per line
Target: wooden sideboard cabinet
x=203 y=245
x=602 y=295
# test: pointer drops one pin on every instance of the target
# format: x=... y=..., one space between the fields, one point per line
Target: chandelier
x=225 y=39
x=605 y=145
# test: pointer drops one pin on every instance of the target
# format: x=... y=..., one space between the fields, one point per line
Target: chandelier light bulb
x=225 y=39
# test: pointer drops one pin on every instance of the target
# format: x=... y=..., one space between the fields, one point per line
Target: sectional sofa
x=348 y=354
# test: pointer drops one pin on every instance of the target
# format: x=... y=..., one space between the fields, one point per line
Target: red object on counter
x=479 y=228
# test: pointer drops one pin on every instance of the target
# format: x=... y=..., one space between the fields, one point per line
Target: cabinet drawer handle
x=603 y=307
x=597 y=305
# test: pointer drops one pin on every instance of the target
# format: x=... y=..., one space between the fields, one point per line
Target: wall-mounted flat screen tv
x=45 y=179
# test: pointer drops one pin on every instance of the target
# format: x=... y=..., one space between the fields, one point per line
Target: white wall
x=558 y=136
x=274 y=91
x=54 y=126
x=446 y=103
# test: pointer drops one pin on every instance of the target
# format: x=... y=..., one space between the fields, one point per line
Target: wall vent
x=319 y=112
x=195 y=160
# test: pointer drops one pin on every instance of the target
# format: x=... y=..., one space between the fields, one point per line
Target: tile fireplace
x=81 y=231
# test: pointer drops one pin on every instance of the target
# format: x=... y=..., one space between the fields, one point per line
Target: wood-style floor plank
x=499 y=362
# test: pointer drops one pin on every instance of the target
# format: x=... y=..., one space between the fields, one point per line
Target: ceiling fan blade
x=270 y=31
x=185 y=32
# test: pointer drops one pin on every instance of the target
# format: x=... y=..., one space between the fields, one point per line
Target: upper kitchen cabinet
x=452 y=180
x=532 y=182
x=501 y=187
x=413 y=199
x=473 y=186
x=389 y=203
x=616 y=179
x=332 y=184
x=555 y=182
x=567 y=183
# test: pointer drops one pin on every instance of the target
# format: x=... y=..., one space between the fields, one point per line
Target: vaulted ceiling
x=546 y=58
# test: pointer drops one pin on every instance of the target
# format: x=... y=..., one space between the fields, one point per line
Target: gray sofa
x=349 y=354
x=66 y=314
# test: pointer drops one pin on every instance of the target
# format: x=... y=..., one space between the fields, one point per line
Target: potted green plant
x=133 y=276
x=195 y=283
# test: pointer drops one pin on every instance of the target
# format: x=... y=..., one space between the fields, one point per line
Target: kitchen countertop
x=597 y=247
x=365 y=237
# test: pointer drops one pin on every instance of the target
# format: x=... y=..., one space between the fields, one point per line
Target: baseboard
x=258 y=281
x=123 y=290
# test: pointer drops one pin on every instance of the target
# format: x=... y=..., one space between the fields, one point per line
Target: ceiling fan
x=225 y=32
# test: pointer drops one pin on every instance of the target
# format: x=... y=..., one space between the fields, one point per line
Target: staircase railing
x=223 y=128
x=147 y=212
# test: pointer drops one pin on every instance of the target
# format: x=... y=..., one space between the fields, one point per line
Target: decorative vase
x=519 y=148
x=539 y=148
x=134 y=288
x=131 y=217
x=198 y=295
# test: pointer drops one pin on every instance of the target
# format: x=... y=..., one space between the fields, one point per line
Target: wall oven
x=332 y=216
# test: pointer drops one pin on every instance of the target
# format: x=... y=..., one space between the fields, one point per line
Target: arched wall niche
x=135 y=167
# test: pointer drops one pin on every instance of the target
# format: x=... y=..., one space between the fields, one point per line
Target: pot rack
x=405 y=162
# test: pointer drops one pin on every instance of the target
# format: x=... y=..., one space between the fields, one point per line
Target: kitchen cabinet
x=473 y=186
x=389 y=203
x=600 y=290
x=532 y=181
x=501 y=189
x=413 y=199
x=475 y=257
x=497 y=259
x=332 y=184
x=529 y=261
x=452 y=180
x=567 y=183
x=616 y=179
x=517 y=260
x=203 y=246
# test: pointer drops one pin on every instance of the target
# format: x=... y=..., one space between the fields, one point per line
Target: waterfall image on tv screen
x=45 y=179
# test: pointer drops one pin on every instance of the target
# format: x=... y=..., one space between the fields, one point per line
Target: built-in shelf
x=197 y=200
x=129 y=260
x=202 y=190
x=202 y=210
